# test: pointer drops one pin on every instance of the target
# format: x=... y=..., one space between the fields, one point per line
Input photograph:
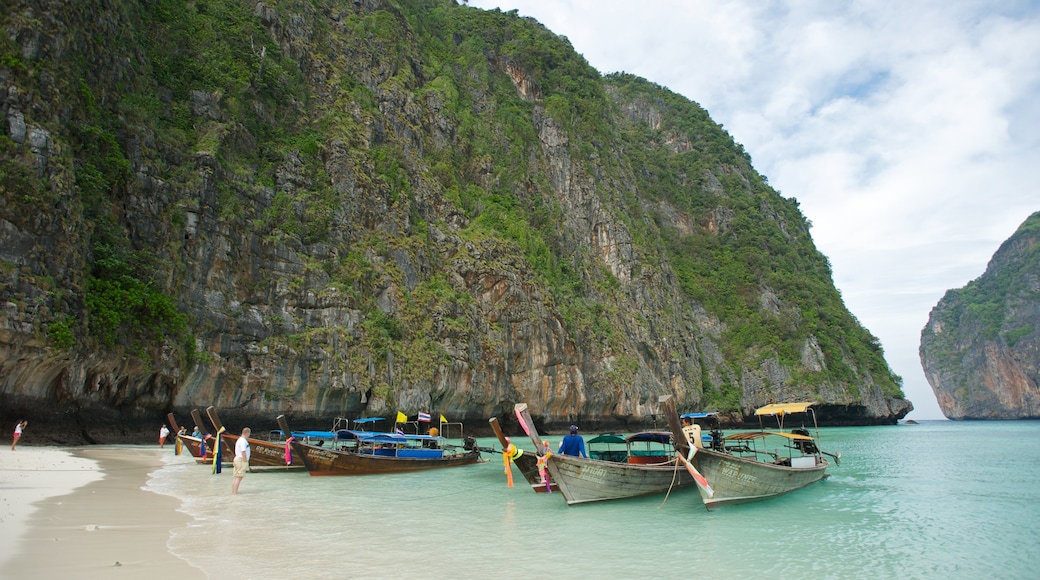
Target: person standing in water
x=241 y=462
x=164 y=432
x=18 y=428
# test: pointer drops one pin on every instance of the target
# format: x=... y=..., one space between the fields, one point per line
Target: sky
x=909 y=132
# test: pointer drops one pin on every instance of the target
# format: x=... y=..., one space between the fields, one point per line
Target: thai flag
x=424 y=417
x=399 y=432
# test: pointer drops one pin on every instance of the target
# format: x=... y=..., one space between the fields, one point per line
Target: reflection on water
x=939 y=499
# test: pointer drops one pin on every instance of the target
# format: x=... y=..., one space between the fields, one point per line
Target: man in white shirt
x=241 y=461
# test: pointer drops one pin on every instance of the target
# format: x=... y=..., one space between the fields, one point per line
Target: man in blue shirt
x=573 y=444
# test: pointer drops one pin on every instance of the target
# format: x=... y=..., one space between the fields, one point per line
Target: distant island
x=979 y=348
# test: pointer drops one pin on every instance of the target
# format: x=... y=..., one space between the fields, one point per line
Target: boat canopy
x=366 y=421
x=752 y=435
x=381 y=437
x=661 y=437
x=607 y=438
x=697 y=415
x=319 y=434
x=783 y=408
x=391 y=438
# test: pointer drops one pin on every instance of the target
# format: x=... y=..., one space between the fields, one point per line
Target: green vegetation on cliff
x=349 y=138
x=981 y=308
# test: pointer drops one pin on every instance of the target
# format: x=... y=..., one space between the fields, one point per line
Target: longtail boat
x=584 y=480
x=261 y=453
x=227 y=446
x=356 y=452
x=741 y=467
x=525 y=461
x=202 y=452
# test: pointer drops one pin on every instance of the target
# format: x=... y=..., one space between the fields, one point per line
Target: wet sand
x=80 y=512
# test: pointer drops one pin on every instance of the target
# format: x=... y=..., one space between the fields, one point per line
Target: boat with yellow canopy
x=753 y=465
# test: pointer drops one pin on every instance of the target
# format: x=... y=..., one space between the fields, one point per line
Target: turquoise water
x=935 y=500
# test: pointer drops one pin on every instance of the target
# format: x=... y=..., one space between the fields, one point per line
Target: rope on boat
x=675 y=473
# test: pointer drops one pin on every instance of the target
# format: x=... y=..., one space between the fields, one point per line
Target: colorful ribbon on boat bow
x=510 y=453
x=288 y=450
x=543 y=462
x=702 y=482
x=216 y=451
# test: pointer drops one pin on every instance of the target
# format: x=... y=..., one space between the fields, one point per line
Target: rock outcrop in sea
x=981 y=347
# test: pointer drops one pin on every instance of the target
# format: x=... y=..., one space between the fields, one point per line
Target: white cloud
x=907 y=131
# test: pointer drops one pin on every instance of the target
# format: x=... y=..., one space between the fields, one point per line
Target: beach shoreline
x=83 y=512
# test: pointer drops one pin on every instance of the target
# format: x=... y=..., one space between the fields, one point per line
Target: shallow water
x=939 y=499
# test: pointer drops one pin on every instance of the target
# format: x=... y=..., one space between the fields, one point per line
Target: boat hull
x=194 y=447
x=264 y=453
x=737 y=479
x=261 y=453
x=588 y=480
x=528 y=466
x=322 y=461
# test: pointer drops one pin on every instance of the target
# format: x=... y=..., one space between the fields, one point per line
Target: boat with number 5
x=754 y=465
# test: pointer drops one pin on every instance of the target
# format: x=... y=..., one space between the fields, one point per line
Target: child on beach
x=18 y=427
x=164 y=432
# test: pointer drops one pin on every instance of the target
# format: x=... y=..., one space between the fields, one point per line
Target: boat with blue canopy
x=360 y=452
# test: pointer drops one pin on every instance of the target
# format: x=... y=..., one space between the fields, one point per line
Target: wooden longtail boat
x=194 y=445
x=584 y=480
x=367 y=452
x=261 y=453
x=526 y=462
x=741 y=467
x=227 y=446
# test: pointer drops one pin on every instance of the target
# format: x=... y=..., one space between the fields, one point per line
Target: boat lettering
x=733 y=472
x=322 y=454
x=269 y=452
x=595 y=474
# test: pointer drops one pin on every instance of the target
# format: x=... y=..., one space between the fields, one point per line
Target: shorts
x=241 y=466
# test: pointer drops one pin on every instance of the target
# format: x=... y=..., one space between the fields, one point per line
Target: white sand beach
x=81 y=512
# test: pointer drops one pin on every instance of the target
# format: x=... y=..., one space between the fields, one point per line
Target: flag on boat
x=702 y=482
x=217 y=455
x=424 y=417
x=401 y=417
x=443 y=420
x=398 y=431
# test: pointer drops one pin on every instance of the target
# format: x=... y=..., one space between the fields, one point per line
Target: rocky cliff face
x=332 y=208
x=981 y=347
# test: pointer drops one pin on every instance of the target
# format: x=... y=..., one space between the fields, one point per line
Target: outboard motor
x=716 y=439
x=808 y=447
x=470 y=444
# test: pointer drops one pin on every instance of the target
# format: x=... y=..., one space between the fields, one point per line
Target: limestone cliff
x=353 y=208
x=981 y=347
